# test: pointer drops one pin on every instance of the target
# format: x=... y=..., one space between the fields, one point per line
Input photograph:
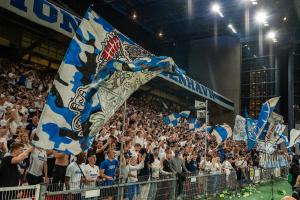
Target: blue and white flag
x=172 y=120
x=264 y=133
x=203 y=128
x=280 y=136
x=250 y=125
x=194 y=124
x=185 y=114
x=222 y=133
x=265 y=112
x=101 y=69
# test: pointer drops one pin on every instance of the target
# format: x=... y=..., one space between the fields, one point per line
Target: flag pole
x=206 y=123
x=121 y=179
x=123 y=131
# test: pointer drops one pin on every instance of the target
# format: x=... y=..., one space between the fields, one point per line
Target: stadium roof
x=174 y=21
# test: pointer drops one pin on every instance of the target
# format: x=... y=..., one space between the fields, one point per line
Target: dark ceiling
x=185 y=20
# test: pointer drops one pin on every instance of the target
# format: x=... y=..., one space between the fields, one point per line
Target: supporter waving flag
x=101 y=69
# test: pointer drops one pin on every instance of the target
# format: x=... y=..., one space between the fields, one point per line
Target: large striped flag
x=265 y=112
x=222 y=132
x=101 y=69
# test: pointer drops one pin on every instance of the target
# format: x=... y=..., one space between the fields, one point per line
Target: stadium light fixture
x=216 y=8
x=232 y=28
x=272 y=36
x=253 y=2
x=134 y=16
x=261 y=17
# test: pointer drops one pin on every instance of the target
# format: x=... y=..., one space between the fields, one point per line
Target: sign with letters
x=199 y=89
x=44 y=13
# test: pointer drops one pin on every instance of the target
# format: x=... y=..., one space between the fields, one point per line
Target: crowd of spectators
x=151 y=148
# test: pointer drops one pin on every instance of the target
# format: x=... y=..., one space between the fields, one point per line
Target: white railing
x=194 y=186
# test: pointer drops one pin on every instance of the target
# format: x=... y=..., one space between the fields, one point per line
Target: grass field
x=263 y=191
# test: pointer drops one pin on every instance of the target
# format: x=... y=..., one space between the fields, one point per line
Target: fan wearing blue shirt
x=108 y=167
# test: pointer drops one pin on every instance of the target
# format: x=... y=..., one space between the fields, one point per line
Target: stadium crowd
x=151 y=148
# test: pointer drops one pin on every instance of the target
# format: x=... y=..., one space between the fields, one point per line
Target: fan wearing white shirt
x=226 y=165
x=139 y=138
x=206 y=166
x=131 y=167
x=157 y=168
x=74 y=174
x=91 y=171
x=37 y=164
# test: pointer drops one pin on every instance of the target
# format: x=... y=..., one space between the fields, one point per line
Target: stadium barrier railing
x=195 y=186
x=31 y=192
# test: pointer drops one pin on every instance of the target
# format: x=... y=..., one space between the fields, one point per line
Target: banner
x=100 y=70
x=201 y=114
x=239 y=130
x=275 y=122
x=265 y=112
x=250 y=126
x=200 y=104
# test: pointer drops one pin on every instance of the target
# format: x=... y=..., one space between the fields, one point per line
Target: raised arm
x=22 y=156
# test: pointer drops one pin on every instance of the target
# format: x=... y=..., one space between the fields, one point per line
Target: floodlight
x=272 y=36
x=216 y=8
x=261 y=17
x=232 y=28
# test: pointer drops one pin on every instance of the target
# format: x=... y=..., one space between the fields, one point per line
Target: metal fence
x=163 y=189
x=31 y=192
x=193 y=186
